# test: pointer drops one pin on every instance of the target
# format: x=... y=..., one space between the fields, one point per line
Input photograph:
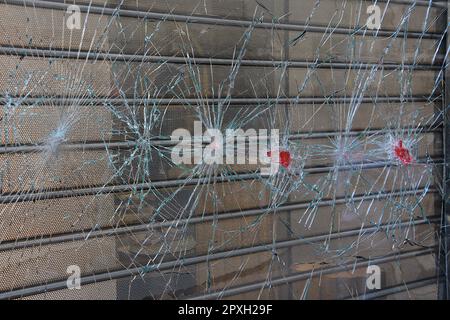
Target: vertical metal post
x=444 y=286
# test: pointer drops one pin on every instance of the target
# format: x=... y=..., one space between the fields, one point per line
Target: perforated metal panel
x=87 y=178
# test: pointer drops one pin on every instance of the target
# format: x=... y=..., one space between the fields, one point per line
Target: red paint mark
x=285 y=158
x=402 y=153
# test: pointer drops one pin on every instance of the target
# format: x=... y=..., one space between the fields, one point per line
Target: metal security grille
x=87 y=176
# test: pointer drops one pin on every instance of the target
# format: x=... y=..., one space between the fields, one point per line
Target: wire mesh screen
x=215 y=149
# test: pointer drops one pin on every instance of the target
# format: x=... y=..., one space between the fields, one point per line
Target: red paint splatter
x=285 y=158
x=402 y=153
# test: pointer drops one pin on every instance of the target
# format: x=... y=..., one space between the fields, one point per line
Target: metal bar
x=85 y=234
x=221 y=21
x=308 y=275
x=443 y=259
x=199 y=259
x=396 y=289
x=65 y=54
x=188 y=101
x=107 y=189
x=422 y=3
x=4 y=149
x=361 y=166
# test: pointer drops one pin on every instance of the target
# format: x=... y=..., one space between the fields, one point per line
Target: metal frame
x=444 y=288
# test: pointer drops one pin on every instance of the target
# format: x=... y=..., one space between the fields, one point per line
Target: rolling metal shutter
x=87 y=180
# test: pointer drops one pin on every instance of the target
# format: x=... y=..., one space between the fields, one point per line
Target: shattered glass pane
x=211 y=149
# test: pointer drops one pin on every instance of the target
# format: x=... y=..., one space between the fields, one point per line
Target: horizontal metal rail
x=211 y=101
x=107 y=232
x=310 y=274
x=114 y=57
x=220 y=21
x=423 y=3
x=397 y=289
x=5 y=149
x=107 y=189
x=211 y=257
